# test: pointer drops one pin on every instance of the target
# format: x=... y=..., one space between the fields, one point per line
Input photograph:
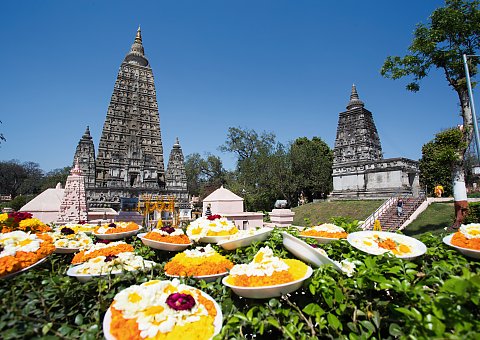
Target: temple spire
x=137 y=53
x=355 y=101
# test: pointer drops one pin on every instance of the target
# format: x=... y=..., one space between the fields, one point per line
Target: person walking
x=399 y=207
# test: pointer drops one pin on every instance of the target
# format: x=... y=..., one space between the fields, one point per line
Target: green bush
x=434 y=296
x=473 y=214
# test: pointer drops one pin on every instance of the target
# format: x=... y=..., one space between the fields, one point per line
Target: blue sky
x=285 y=67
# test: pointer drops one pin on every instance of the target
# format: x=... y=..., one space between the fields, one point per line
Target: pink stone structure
x=46 y=205
x=282 y=217
x=74 y=203
x=225 y=203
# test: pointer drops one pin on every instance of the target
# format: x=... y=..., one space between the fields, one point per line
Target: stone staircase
x=387 y=213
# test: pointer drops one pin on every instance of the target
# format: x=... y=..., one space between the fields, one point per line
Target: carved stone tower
x=359 y=169
x=130 y=153
x=74 y=205
x=85 y=156
x=176 y=177
x=357 y=137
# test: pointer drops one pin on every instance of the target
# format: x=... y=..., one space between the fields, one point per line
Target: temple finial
x=355 y=101
x=138 y=37
x=137 y=53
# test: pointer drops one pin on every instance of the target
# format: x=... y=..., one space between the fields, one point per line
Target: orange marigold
x=11 y=264
x=316 y=233
x=460 y=240
x=177 y=239
x=82 y=256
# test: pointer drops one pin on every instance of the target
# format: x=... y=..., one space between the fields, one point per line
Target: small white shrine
x=74 y=204
x=225 y=203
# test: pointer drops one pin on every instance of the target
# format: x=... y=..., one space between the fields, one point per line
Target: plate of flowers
x=211 y=229
x=245 y=238
x=166 y=238
x=206 y=278
x=102 y=248
x=380 y=242
x=117 y=230
x=162 y=309
x=466 y=240
x=267 y=276
x=21 y=251
x=66 y=240
x=306 y=252
x=201 y=262
x=9 y=276
x=324 y=233
x=109 y=265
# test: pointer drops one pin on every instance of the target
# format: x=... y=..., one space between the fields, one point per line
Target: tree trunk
x=458 y=171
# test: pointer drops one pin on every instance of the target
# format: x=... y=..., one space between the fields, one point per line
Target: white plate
x=72 y=271
x=213 y=239
x=320 y=239
x=217 y=322
x=117 y=236
x=62 y=250
x=206 y=278
x=162 y=245
x=23 y=270
x=245 y=241
x=306 y=252
x=265 y=292
x=356 y=240
x=465 y=251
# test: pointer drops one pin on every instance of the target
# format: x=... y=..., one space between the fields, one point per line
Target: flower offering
x=82 y=227
x=19 y=250
x=375 y=244
x=162 y=310
x=325 y=230
x=198 y=262
x=213 y=225
x=22 y=221
x=117 y=227
x=114 y=264
x=65 y=237
x=169 y=235
x=102 y=249
x=468 y=236
x=266 y=270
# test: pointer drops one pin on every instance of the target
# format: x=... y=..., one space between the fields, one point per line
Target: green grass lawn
x=434 y=219
x=322 y=212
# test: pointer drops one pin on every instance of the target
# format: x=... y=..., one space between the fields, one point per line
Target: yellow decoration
x=377 y=226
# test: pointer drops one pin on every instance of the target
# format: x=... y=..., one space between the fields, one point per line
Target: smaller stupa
x=74 y=203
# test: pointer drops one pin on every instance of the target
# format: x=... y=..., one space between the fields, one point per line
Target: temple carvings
x=129 y=162
x=359 y=169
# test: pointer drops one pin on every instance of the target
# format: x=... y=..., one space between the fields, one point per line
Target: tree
x=262 y=167
x=438 y=159
x=452 y=31
x=2 y=137
x=312 y=162
x=53 y=177
x=204 y=174
x=12 y=175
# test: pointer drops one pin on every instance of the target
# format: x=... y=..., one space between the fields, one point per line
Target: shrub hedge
x=434 y=296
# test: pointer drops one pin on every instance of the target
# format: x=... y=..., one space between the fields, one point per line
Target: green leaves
x=431 y=297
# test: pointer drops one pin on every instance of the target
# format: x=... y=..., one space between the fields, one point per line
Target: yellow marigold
x=3 y=217
x=182 y=265
x=33 y=225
